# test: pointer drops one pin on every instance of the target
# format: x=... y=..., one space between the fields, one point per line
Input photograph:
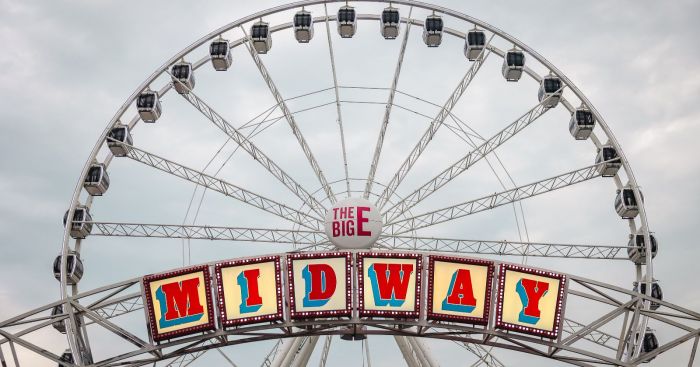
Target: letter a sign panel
x=531 y=301
x=319 y=284
x=389 y=284
x=249 y=291
x=179 y=302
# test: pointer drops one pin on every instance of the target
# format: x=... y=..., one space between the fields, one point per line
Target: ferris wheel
x=332 y=126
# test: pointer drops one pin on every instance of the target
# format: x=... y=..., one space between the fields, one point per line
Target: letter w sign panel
x=389 y=284
x=179 y=302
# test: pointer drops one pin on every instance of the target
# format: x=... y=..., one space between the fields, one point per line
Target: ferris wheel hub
x=353 y=223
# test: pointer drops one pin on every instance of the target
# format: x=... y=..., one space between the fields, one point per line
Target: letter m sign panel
x=531 y=301
x=178 y=303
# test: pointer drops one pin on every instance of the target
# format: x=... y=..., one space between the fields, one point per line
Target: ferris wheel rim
x=647 y=275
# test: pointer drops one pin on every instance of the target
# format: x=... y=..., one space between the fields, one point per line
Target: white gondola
x=67 y=357
x=78 y=229
x=649 y=343
x=637 y=250
x=474 y=44
x=303 y=26
x=656 y=293
x=432 y=31
x=347 y=21
x=608 y=154
x=118 y=135
x=220 y=54
x=551 y=90
x=582 y=123
x=513 y=65
x=97 y=180
x=148 y=104
x=626 y=204
x=260 y=34
x=390 y=23
x=74 y=268
x=183 y=77
x=59 y=324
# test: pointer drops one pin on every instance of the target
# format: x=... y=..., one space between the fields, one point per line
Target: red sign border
x=146 y=281
x=389 y=255
x=348 y=286
x=499 y=324
x=484 y=320
x=224 y=320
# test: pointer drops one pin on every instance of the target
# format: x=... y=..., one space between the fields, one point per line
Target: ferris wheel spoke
x=255 y=152
x=387 y=110
x=466 y=162
x=484 y=356
x=290 y=119
x=228 y=189
x=492 y=201
x=197 y=232
x=503 y=247
x=337 y=100
x=434 y=126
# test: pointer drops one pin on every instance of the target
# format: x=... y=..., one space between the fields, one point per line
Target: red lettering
x=361 y=219
x=182 y=298
x=336 y=229
x=390 y=279
x=462 y=291
x=252 y=276
x=318 y=271
x=534 y=290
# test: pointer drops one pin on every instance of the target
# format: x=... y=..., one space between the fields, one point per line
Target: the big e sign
x=353 y=223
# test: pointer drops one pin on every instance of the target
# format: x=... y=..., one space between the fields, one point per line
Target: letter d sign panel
x=530 y=301
x=389 y=284
x=319 y=284
x=179 y=303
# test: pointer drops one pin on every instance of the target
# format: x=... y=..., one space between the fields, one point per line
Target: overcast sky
x=67 y=66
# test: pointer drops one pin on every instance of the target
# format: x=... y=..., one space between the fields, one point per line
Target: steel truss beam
x=197 y=232
x=492 y=201
x=445 y=111
x=514 y=248
x=387 y=111
x=255 y=152
x=465 y=162
x=228 y=189
x=290 y=119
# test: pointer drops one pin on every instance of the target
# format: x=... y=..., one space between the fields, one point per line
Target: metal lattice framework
x=603 y=334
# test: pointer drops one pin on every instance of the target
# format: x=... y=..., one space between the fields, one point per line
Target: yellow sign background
x=201 y=289
x=266 y=286
x=338 y=300
x=512 y=304
x=368 y=296
x=442 y=276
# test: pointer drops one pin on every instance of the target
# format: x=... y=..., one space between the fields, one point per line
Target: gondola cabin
x=656 y=293
x=637 y=250
x=148 y=104
x=432 y=31
x=347 y=21
x=474 y=44
x=649 y=342
x=74 y=268
x=608 y=161
x=220 y=54
x=59 y=324
x=626 y=204
x=97 y=180
x=183 y=77
x=390 y=23
x=260 y=35
x=66 y=357
x=303 y=26
x=582 y=123
x=550 y=91
x=513 y=65
x=118 y=136
x=79 y=229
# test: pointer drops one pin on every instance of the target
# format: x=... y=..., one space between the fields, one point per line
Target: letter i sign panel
x=389 y=284
x=531 y=301
x=319 y=284
x=249 y=290
x=179 y=303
